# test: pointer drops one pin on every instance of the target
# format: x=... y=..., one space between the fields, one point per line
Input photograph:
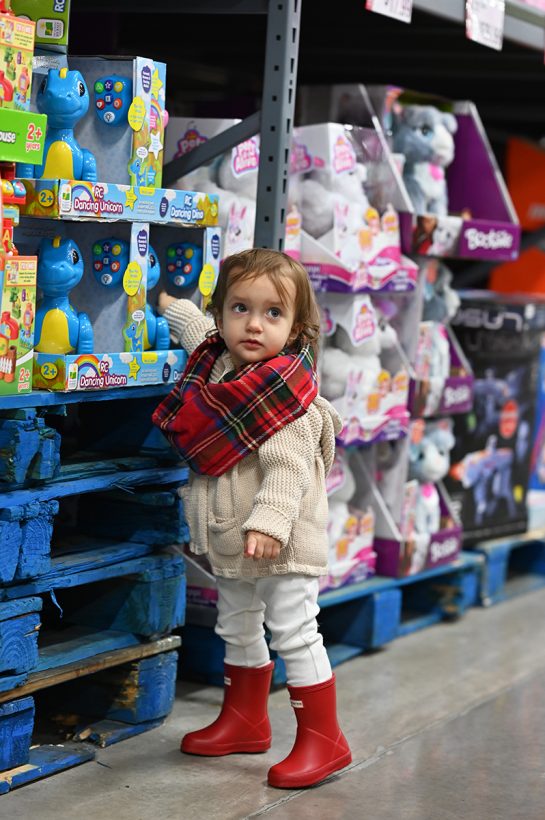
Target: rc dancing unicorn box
x=106 y=122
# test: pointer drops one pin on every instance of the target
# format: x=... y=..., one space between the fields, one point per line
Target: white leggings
x=288 y=604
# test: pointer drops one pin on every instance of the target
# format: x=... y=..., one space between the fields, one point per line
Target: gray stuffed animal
x=423 y=134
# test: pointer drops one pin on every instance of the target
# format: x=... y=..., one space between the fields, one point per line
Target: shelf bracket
x=212 y=148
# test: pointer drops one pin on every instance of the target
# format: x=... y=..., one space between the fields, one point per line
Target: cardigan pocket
x=226 y=537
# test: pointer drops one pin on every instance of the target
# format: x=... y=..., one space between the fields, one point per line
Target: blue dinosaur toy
x=59 y=329
x=64 y=97
x=156 y=332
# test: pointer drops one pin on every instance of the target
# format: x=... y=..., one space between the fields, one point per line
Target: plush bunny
x=429 y=462
x=322 y=191
x=343 y=486
x=423 y=134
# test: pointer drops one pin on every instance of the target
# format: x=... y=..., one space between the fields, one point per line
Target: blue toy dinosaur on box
x=59 y=329
x=156 y=332
x=64 y=97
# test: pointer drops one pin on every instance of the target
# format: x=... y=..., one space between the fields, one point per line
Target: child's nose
x=254 y=322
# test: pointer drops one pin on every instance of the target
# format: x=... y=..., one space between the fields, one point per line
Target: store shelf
x=43 y=398
x=523 y=24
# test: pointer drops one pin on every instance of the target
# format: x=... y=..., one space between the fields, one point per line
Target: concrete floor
x=445 y=724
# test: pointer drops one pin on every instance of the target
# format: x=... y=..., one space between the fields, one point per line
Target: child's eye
x=239 y=308
x=275 y=313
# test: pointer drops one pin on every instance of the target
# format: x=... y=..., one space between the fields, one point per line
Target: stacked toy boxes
x=99 y=193
x=22 y=136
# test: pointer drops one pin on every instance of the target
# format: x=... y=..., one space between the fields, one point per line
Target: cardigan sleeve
x=187 y=324
x=287 y=461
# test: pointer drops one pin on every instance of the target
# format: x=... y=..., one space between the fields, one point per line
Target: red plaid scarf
x=213 y=426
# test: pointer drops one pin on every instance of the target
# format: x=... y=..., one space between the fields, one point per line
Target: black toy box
x=501 y=336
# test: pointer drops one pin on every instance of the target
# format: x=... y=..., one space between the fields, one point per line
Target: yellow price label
x=132 y=278
x=49 y=371
x=137 y=113
x=207 y=280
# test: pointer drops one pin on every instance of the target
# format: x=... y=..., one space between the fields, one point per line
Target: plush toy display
x=354 y=370
x=429 y=462
x=326 y=196
x=423 y=134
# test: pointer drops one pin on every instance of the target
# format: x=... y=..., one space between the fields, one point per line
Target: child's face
x=254 y=324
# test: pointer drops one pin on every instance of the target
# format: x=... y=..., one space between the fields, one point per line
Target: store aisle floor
x=446 y=724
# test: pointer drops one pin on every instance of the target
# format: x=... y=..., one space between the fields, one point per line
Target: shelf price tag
x=398 y=9
x=485 y=22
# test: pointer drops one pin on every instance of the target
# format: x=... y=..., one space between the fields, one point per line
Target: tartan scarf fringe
x=214 y=426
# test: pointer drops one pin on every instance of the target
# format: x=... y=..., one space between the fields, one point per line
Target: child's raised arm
x=188 y=326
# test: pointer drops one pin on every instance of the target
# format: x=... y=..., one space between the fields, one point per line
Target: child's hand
x=164 y=301
x=257 y=545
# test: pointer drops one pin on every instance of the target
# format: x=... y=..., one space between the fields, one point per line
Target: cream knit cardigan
x=279 y=490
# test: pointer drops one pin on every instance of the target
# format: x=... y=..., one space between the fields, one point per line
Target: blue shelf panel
x=44 y=398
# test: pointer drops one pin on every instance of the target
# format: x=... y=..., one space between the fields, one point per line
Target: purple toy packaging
x=501 y=336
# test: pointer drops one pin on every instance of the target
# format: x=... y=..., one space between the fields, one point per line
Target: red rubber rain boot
x=320 y=747
x=243 y=723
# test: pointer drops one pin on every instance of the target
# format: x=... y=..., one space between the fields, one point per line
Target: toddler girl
x=247 y=418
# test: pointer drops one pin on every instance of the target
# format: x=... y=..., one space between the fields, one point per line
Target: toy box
x=501 y=336
x=51 y=18
x=481 y=222
x=16 y=53
x=351 y=523
x=120 y=341
x=416 y=524
x=363 y=370
x=22 y=136
x=119 y=123
x=536 y=484
x=349 y=198
x=233 y=176
x=17 y=312
x=441 y=379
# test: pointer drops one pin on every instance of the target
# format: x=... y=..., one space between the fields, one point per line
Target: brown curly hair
x=261 y=261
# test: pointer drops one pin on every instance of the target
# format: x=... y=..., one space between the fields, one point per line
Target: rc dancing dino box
x=460 y=206
x=501 y=336
x=17 y=313
x=16 y=53
x=106 y=122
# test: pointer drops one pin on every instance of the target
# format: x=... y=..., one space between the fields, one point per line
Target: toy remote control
x=110 y=260
x=113 y=96
x=184 y=263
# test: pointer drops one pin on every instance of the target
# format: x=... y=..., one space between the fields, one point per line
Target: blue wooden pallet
x=353 y=619
x=511 y=566
x=116 y=696
x=97 y=476
x=134 y=597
